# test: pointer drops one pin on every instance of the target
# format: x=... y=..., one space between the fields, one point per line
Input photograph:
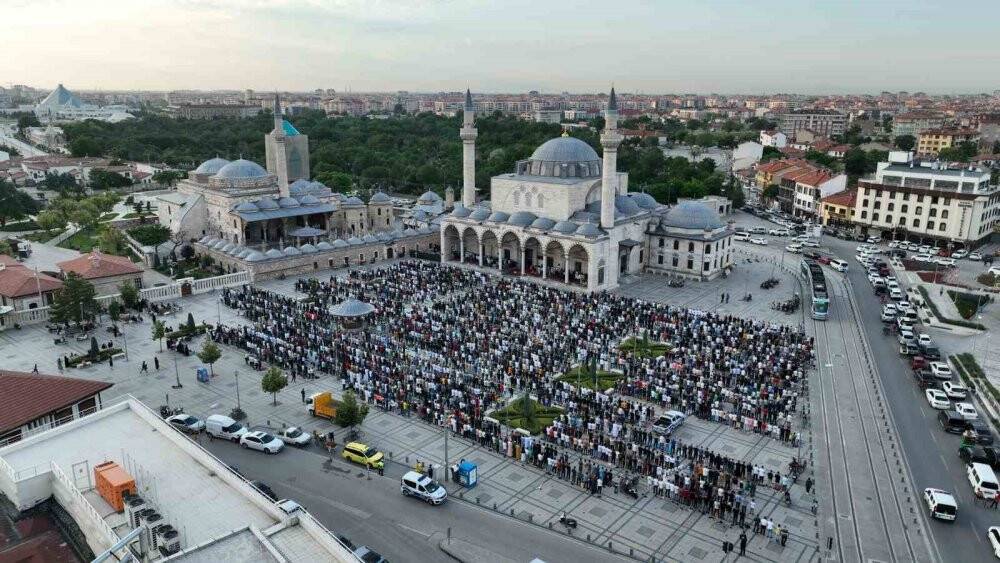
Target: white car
x=893 y=244
x=874 y=278
x=924 y=339
x=975 y=256
x=937 y=399
x=906 y=336
x=294 y=436
x=758 y=240
x=874 y=240
x=923 y=257
x=941 y=370
x=954 y=390
x=946 y=262
x=794 y=248
x=186 y=423
x=888 y=313
x=742 y=236
x=261 y=441
x=895 y=294
x=778 y=232
x=959 y=254
x=904 y=305
x=811 y=243
x=924 y=249
x=994 y=534
x=967 y=411
x=941 y=504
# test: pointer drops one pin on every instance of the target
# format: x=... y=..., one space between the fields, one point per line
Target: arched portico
x=510 y=254
x=533 y=256
x=470 y=250
x=578 y=260
x=451 y=244
x=555 y=261
x=490 y=248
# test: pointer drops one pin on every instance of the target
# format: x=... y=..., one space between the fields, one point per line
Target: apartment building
x=922 y=201
x=826 y=122
x=801 y=184
x=932 y=141
x=916 y=122
x=775 y=139
x=837 y=210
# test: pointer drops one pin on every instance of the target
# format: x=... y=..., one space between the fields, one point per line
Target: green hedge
x=512 y=415
x=20 y=227
x=968 y=303
x=102 y=356
x=185 y=331
x=942 y=318
x=644 y=348
x=973 y=376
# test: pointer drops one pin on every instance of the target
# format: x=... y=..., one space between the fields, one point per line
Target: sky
x=651 y=46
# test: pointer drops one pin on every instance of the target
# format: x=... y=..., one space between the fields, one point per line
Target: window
x=659 y=259
x=902 y=220
x=930 y=225
x=706 y=267
x=920 y=210
x=677 y=245
x=708 y=248
x=916 y=223
x=942 y=226
x=690 y=264
x=888 y=218
x=517 y=198
x=933 y=212
x=944 y=213
x=662 y=241
x=380 y=211
x=874 y=216
x=934 y=200
x=891 y=206
x=674 y=262
x=904 y=208
x=878 y=205
x=690 y=247
x=864 y=214
x=920 y=198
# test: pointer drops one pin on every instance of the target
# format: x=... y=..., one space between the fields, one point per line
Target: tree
x=190 y=322
x=856 y=163
x=771 y=153
x=112 y=241
x=350 y=412
x=210 y=354
x=106 y=179
x=770 y=191
x=50 y=220
x=168 y=177
x=150 y=235
x=86 y=214
x=115 y=310
x=962 y=152
x=129 y=295
x=6 y=247
x=273 y=382
x=94 y=350
x=14 y=204
x=906 y=142
x=75 y=301
x=60 y=182
x=27 y=120
x=187 y=252
x=85 y=146
x=159 y=331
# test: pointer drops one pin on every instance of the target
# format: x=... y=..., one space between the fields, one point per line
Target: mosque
x=566 y=215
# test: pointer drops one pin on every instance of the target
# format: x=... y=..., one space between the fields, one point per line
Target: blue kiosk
x=467 y=474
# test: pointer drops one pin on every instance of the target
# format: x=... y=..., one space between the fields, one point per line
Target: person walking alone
x=743 y=543
x=809 y=485
x=156 y=363
x=144 y=368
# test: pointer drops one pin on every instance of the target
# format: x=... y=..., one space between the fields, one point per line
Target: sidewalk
x=466 y=552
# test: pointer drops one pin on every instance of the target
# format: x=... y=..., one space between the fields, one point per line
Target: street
x=374 y=513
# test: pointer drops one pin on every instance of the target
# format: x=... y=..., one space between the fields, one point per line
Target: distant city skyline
x=715 y=46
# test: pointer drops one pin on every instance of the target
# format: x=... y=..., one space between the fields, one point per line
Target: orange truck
x=322 y=405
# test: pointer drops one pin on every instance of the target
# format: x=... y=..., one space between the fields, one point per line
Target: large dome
x=211 y=166
x=565 y=149
x=692 y=215
x=241 y=169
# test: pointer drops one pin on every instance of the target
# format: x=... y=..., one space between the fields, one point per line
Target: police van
x=418 y=485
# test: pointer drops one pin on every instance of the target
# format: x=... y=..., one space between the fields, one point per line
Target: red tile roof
x=18 y=281
x=98 y=265
x=27 y=396
x=845 y=198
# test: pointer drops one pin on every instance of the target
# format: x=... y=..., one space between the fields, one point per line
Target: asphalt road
x=374 y=513
x=932 y=454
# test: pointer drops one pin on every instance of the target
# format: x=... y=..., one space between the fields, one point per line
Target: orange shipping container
x=112 y=483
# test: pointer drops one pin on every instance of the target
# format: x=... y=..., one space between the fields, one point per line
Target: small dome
x=522 y=218
x=626 y=205
x=288 y=202
x=323 y=245
x=267 y=204
x=211 y=241
x=204 y=239
x=461 y=211
x=254 y=256
x=211 y=166
x=543 y=223
x=239 y=169
x=219 y=245
x=292 y=251
x=308 y=199
x=353 y=201
x=409 y=232
x=499 y=217
x=274 y=253
x=692 y=215
x=480 y=215
x=388 y=236
x=228 y=248
x=247 y=207
x=566 y=227
x=351 y=307
x=339 y=243
x=589 y=230
x=299 y=187
x=353 y=241
x=245 y=252
x=428 y=198
x=368 y=239
x=644 y=201
x=307 y=248
x=379 y=197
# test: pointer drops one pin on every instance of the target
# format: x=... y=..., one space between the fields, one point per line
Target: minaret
x=610 y=139
x=468 y=133
x=280 y=151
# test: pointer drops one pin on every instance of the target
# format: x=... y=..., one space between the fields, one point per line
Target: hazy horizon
x=715 y=46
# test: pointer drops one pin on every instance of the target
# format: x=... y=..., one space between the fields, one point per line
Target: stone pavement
x=647 y=525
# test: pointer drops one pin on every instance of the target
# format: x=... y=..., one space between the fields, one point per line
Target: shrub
x=20 y=226
x=150 y=235
x=968 y=304
x=942 y=318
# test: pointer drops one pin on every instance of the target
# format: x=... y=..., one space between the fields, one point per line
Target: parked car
x=888 y=313
x=744 y=236
x=668 y=422
x=954 y=390
x=993 y=532
x=945 y=262
x=941 y=504
x=759 y=240
x=980 y=454
x=221 y=426
x=186 y=423
x=941 y=370
x=261 y=441
x=294 y=436
x=937 y=399
x=959 y=254
x=982 y=431
x=828 y=260
x=368 y=555
x=925 y=379
x=794 y=248
x=363 y=454
x=967 y=411
x=952 y=422
x=975 y=256
x=931 y=352
x=811 y=243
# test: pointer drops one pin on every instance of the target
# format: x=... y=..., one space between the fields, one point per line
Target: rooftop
x=27 y=396
x=845 y=198
x=99 y=265
x=214 y=509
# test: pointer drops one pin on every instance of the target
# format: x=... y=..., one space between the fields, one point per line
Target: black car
x=896 y=252
x=925 y=379
x=812 y=255
x=930 y=352
x=980 y=454
x=264 y=489
x=984 y=435
x=952 y=422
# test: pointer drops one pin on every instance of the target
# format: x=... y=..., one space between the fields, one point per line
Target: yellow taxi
x=360 y=453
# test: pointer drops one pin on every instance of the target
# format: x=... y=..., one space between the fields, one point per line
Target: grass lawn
x=137 y=215
x=968 y=303
x=43 y=236
x=644 y=349
x=19 y=226
x=513 y=415
x=605 y=379
x=107 y=217
x=83 y=241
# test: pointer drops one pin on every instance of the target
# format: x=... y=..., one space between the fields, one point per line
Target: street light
x=177 y=375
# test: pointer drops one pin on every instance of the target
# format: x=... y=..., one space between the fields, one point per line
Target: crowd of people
x=450 y=345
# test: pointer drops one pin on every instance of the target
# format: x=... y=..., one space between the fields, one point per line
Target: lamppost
x=177 y=375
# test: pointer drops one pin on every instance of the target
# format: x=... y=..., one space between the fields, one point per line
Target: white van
x=742 y=236
x=941 y=504
x=220 y=426
x=418 y=485
x=983 y=480
x=839 y=265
